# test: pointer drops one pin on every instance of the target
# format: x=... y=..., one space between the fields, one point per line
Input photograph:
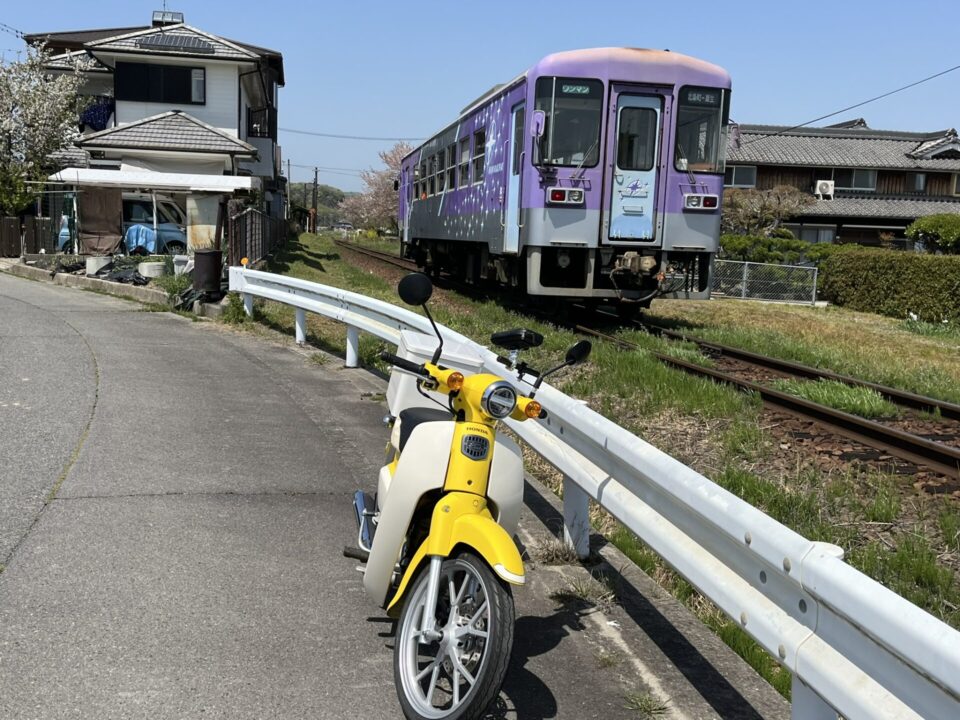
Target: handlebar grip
x=403 y=364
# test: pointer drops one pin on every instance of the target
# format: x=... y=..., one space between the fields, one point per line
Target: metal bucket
x=207 y=266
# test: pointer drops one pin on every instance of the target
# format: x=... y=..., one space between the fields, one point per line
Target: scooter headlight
x=499 y=400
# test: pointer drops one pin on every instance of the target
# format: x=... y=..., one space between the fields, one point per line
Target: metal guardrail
x=854 y=647
x=764 y=281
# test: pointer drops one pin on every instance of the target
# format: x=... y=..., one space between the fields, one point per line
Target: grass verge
x=863 y=401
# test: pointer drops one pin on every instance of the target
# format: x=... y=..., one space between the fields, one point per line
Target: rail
x=853 y=647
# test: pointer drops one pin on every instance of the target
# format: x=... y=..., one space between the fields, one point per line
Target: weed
x=595 y=591
x=233 y=313
x=606 y=658
x=646 y=704
x=555 y=551
x=862 y=401
x=945 y=329
x=173 y=285
x=884 y=507
x=319 y=358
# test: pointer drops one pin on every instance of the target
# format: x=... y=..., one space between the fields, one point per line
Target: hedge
x=893 y=282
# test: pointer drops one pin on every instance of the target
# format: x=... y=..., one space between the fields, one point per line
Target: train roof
x=619 y=63
x=662 y=67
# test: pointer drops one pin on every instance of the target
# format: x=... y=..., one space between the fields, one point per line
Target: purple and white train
x=596 y=175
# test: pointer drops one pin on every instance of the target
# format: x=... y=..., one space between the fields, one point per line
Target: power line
x=310 y=167
x=860 y=104
x=11 y=31
x=350 y=137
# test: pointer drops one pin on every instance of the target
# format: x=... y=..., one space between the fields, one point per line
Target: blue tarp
x=141 y=236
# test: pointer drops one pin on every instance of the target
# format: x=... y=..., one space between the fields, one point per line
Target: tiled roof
x=174 y=40
x=77 y=38
x=852 y=147
x=174 y=131
x=882 y=207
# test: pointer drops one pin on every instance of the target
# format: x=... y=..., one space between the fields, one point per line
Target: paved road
x=173 y=500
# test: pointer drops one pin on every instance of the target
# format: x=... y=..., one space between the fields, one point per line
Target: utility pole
x=289 y=179
x=315 y=188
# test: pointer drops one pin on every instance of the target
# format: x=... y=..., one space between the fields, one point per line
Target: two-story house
x=868 y=184
x=175 y=109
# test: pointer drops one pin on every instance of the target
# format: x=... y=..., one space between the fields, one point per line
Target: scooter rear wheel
x=457 y=676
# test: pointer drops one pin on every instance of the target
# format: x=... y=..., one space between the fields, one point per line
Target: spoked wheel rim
x=439 y=676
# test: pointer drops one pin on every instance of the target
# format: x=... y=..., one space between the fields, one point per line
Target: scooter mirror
x=415 y=289
x=579 y=352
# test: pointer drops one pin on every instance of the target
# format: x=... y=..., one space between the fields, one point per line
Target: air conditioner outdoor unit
x=823 y=188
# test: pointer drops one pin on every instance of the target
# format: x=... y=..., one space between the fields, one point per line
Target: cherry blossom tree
x=376 y=206
x=38 y=117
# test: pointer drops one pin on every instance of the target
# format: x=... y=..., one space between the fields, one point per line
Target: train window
x=423 y=181
x=701 y=129
x=573 y=109
x=465 y=162
x=432 y=175
x=637 y=138
x=441 y=171
x=517 y=140
x=479 y=153
x=452 y=166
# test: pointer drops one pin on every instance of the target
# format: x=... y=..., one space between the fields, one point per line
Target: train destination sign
x=710 y=98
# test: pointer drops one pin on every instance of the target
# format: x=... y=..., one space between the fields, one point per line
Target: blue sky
x=404 y=69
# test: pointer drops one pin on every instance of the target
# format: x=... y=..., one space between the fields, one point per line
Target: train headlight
x=701 y=202
x=499 y=399
x=565 y=196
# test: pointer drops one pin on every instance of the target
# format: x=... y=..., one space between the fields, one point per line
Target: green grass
x=646 y=704
x=173 y=285
x=862 y=401
x=946 y=330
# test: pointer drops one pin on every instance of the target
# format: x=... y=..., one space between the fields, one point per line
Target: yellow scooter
x=437 y=538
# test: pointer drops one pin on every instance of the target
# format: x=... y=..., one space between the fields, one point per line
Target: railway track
x=787 y=367
x=939 y=457
x=914 y=449
x=388 y=258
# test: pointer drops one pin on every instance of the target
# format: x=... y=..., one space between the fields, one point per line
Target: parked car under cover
x=139 y=235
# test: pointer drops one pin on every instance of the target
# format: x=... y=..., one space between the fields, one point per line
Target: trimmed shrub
x=941 y=232
x=894 y=283
x=754 y=248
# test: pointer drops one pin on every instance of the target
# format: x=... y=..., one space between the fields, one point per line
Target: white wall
x=220 y=109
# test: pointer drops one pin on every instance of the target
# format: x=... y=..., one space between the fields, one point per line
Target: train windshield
x=573 y=108
x=701 y=129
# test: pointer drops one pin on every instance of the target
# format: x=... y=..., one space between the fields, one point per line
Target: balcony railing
x=262 y=123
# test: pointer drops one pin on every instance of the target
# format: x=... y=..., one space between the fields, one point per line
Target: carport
x=203 y=192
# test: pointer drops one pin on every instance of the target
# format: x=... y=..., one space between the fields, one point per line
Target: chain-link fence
x=764 y=281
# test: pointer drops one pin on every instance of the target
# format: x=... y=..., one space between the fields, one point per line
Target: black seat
x=411 y=417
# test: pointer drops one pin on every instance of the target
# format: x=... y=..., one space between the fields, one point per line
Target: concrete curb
x=132 y=292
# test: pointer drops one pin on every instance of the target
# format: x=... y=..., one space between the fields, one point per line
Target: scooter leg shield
x=463 y=519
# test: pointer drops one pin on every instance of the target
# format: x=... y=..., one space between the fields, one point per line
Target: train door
x=515 y=156
x=636 y=152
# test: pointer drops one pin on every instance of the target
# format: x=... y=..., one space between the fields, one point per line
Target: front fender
x=463 y=519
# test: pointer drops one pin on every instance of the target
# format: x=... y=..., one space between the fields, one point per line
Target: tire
x=479 y=602
x=175 y=249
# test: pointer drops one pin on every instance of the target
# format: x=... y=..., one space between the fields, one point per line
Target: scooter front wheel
x=455 y=672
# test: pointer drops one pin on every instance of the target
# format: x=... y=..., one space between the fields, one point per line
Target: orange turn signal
x=533 y=409
x=244 y=261
x=455 y=380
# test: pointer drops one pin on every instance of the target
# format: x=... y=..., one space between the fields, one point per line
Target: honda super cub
x=437 y=538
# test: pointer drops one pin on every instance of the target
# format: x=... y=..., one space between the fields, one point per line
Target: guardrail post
x=248 y=304
x=576 y=517
x=301 y=326
x=806 y=704
x=353 y=347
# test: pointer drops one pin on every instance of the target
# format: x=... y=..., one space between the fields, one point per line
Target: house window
x=916 y=182
x=479 y=154
x=464 y=162
x=452 y=166
x=863 y=180
x=956 y=184
x=740 y=176
x=818 y=234
x=171 y=84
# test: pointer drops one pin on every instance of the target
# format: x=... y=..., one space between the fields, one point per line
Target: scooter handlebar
x=404 y=364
